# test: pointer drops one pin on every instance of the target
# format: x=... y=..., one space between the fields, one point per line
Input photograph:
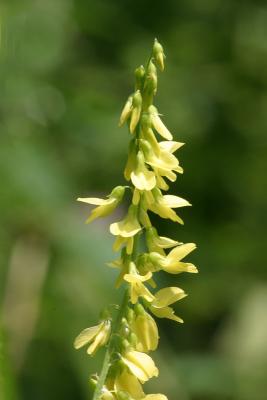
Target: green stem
x=122 y=311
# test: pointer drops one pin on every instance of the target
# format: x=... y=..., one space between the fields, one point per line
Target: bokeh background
x=66 y=68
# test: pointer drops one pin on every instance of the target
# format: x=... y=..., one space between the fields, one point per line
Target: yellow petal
x=170 y=145
x=167 y=296
x=155 y=397
x=129 y=226
x=141 y=365
x=133 y=278
x=126 y=112
x=179 y=252
x=143 y=180
x=129 y=383
x=175 y=201
x=96 y=201
x=146 y=331
x=166 y=312
x=158 y=124
x=87 y=335
x=179 y=267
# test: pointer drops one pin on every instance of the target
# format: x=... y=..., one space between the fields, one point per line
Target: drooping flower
x=140 y=364
x=126 y=112
x=105 y=206
x=95 y=336
x=156 y=243
x=137 y=288
x=158 y=124
x=163 y=298
x=163 y=205
x=129 y=226
x=173 y=264
x=145 y=329
x=136 y=110
x=141 y=177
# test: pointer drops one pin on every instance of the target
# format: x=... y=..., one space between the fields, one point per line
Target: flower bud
x=136 y=112
x=139 y=76
x=158 y=54
x=126 y=111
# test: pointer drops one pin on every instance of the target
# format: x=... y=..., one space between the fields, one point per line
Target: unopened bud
x=139 y=75
x=136 y=112
x=158 y=54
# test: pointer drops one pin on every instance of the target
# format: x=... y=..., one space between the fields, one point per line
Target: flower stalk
x=133 y=333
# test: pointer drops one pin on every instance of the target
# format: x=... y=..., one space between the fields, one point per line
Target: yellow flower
x=130 y=160
x=155 y=397
x=129 y=226
x=163 y=298
x=141 y=177
x=145 y=329
x=141 y=365
x=158 y=124
x=157 y=243
x=163 y=161
x=126 y=112
x=137 y=288
x=95 y=336
x=129 y=383
x=163 y=205
x=105 y=206
x=173 y=264
x=127 y=241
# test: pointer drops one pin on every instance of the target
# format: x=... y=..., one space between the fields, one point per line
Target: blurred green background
x=66 y=68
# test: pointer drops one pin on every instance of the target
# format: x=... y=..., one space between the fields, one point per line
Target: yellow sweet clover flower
x=163 y=205
x=145 y=329
x=163 y=298
x=95 y=336
x=134 y=332
x=105 y=206
x=137 y=288
x=140 y=365
x=141 y=177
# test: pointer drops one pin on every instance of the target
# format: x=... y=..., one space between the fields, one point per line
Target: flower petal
x=167 y=296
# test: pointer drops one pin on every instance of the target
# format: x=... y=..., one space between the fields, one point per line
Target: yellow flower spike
x=141 y=365
x=158 y=54
x=129 y=226
x=158 y=124
x=105 y=206
x=96 y=336
x=137 y=288
x=129 y=383
x=136 y=111
x=126 y=112
x=146 y=330
x=141 y=177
